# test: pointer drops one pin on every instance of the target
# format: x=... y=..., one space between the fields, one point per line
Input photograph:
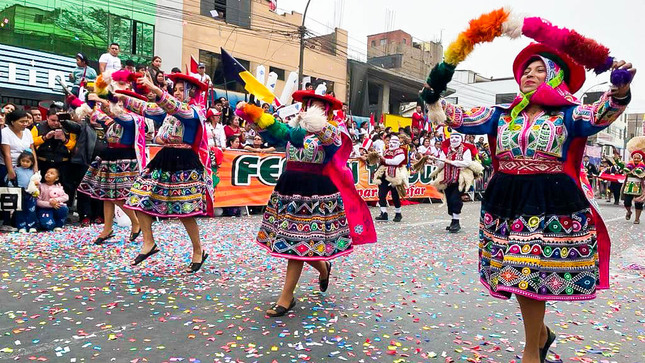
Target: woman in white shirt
x=15 y=139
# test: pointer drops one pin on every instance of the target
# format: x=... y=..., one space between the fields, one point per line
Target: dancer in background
x=314 y=213
x=177 y=182
x=392 y=177
x=634 y=187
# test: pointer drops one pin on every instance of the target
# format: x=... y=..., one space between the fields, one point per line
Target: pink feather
x=584 y=51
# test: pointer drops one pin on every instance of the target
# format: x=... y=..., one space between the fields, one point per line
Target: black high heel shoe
x=196 y=266
x=101 y=240
x=143 y=256
x=324 y=284
x=550 y=338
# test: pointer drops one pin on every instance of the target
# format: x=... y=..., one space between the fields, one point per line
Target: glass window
x=383 y=41
x=213 y=62
x=72 y=26
x=278 y=71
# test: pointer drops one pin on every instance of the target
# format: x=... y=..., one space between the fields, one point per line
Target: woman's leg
x=108 y=211
x=534 y=328
x=145 y=221
x=639 y=210
x=131 y=214
x=628 y=206
x=190 y=223
x=294 y=269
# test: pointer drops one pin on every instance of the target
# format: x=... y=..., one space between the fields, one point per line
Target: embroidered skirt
x=111 y=175
x=305 y=218
x=172 y=185
x=537 y=238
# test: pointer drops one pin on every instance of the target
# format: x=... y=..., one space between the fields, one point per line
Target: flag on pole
x=371 y=125
x=233 y=70
x=193 y=65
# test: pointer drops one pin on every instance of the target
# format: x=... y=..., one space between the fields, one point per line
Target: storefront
x=28 y=76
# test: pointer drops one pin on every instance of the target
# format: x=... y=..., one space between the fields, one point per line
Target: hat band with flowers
x=575 y=51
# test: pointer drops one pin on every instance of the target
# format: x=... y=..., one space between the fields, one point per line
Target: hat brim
x=180 y=77
x=574 y=73
x=132 y=94
x=302 y=95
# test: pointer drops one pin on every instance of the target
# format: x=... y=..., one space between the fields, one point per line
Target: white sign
x=290 y=110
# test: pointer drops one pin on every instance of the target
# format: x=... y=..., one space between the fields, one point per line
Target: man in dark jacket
x=54 y=140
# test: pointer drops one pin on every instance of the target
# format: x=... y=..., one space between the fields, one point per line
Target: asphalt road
x=412 y=297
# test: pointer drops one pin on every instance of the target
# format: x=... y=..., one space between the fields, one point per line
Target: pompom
x=101 y=84
x=512 y=27
x=483 y=29
x=313 y=120
x=620 y=77
x=440 y=76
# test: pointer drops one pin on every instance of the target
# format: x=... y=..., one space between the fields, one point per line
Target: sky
x=617 y=25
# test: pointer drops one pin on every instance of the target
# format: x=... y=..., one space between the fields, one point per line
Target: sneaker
x=397 y=217
x=22 y=230
x=6 y=228
x=382 y=217
x=33 y=230
x=85 y=222
x=57 y=229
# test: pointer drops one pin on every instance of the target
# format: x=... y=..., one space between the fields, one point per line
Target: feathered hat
x=637 y=146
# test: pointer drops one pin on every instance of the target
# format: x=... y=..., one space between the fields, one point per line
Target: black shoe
x=143 y=256
x=101 y=240
x=397 y=217
x=196 y=266
x=134 y=235
x=455 y=227
x=281 y=310
x=382 y=217
x=325 y=283
x=549 y=340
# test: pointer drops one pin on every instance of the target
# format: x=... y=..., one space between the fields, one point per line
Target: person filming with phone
x=55 y=139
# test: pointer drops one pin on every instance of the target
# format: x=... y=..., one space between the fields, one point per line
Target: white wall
x=169 y=34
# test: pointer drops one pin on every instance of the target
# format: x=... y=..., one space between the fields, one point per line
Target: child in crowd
x=26 y=218
x=52 y=211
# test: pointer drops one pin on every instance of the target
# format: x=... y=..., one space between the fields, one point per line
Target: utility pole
x=302 y=30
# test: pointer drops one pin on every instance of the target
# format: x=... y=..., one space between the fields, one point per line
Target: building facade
x=256 y=35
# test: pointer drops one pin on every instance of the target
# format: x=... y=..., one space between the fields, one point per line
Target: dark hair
x=57 y=173
x=54 y=111
x=155 y=57
x=129 y=63
x=308 y=84
x=82 y=57
x=175 y=70
x=15 y=115
x=28 y=155
x=230 y=139
x=9 y=103
x=115 y=43
x=141 y=66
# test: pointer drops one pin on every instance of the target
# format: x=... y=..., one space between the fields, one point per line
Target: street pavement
x=412 y=297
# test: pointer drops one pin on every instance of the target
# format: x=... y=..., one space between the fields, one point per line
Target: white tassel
x=436 y=114
x=512 y=27
x=82 y=111
x=312 y=120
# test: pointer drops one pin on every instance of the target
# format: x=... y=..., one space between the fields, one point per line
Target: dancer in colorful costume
x=315 y=213
x=456 y=165
x=634 y=187
x=392 y=177
x=111 y=175
x=177 y=182
x=540 y=237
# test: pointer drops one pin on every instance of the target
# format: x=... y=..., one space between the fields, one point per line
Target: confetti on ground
x=413 y=297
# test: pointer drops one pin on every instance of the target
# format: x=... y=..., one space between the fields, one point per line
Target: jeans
x=51 y=218
x=26 y=218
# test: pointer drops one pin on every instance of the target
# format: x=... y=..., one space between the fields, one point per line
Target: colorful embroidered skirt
x=537 y=238
x=111 y=175
x=172 y=185
x=305 y=219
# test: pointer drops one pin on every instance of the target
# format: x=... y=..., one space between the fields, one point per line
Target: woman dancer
x=540 y=238
x=314 y=214
x=177 y=182
x=111 y=175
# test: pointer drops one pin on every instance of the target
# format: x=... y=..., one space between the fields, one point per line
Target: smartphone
x=63 y=116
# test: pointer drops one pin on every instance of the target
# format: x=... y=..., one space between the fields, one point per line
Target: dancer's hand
x=622 y=91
